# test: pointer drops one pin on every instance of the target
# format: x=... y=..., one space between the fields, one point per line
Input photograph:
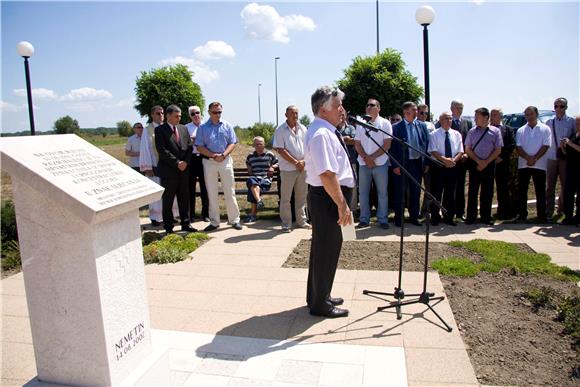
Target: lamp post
x=377 y=27
x=276 y=81
x=425 y=16
x=26 y=50
x=259 y=105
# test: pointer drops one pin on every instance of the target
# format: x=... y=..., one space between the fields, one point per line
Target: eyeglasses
x=371 y=104
x=194 y=113
x=560 y=106
x=158 y=113
x=422 y=113
x=215 y=112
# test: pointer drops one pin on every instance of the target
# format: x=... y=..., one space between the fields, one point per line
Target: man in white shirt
x=289 y=143
x=373 y=165
x=562 y=127
x=446 y=145
x=133 y=146
x=331 y=180
x=532 y=142
x=148 y=159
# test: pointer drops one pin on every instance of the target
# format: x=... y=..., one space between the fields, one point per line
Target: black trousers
x=175 y=185
x=443 y=182
x=484 y=180
x=504 y=192
x=415 y=168
x=460 y=189
x=195 y=176
x=539 y=178
x=325 y=247
x=572 y=187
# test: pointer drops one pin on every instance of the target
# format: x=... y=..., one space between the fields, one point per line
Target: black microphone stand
x=424 y=297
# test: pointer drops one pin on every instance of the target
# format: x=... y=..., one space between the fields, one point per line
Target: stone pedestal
x=82 y=260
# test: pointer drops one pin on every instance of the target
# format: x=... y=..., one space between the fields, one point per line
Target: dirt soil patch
x=508 y=341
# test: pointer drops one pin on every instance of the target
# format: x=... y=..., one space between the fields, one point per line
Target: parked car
x=517 y=120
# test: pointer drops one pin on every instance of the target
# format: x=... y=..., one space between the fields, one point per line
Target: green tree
x=101 y=130
x=263 y=129
x=305 y=120
x=66 y=125
x=165 y=86
x=383 y=77
x=124 y=128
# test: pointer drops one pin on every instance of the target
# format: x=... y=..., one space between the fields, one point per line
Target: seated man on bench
x=261 y=165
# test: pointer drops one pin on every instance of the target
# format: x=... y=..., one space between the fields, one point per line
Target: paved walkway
x=233 y=315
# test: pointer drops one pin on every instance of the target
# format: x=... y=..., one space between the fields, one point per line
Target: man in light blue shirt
x=216 y=140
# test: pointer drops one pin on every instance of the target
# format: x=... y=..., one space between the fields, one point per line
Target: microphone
x=356 y=120
x=367 y=118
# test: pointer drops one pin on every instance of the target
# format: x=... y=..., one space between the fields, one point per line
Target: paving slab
x=234 y=299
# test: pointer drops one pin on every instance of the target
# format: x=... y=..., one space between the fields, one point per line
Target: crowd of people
x=183 y=157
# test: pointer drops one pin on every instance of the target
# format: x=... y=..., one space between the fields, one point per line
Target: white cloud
x=263 y=22
x=86 y=94
x=39 y=93
x=202 y=73
x=84 y=107
x=8 y=107
x=127 y=102
x=214 y=49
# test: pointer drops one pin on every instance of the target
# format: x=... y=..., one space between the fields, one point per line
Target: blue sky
x=88 y=54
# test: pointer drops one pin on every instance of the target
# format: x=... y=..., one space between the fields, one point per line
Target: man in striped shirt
x=261 y=165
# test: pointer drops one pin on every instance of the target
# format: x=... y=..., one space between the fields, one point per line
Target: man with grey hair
x=173 y=145
x=462 y=125
x=148 y=159
x=331 y=180
x=196 y=168
x=289 y=143
x=562 y=127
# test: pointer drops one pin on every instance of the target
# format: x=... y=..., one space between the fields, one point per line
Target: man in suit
x=196 y=168
x=504 y=179
x=173 y=145
x=462 y=125
x=415 y=133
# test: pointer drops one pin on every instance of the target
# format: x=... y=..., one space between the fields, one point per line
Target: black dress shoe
x=451 y=223
x=169 y=231
x=415 y=222
x=331 y=313
x=336 y=301
x=209 y=228
x=237 y=226
x=155 y=223
x=435 y=222
x=188 y=229
x=206 y=219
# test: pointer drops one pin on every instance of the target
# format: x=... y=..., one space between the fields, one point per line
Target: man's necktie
x=447 y=145
x=176 y=133
x=346 y=150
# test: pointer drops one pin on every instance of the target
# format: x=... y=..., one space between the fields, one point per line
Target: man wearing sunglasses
x=562 y=127
x=216 y=140
x=196 y=168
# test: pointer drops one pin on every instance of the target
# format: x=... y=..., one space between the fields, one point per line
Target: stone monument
x=77 y=211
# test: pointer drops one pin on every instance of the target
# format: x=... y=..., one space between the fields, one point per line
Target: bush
x=8 y=226
x=172 y=248
x=10 y=255
x=263 y=129
x=569 y=314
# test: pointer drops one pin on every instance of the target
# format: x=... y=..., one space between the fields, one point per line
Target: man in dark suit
x=415 y=133
x=462 y=125
x=505 y=180
x=173 y=145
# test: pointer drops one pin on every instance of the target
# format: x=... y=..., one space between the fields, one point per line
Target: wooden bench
x=241 y=176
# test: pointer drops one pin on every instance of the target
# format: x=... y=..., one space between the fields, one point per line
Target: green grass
x=498 y=255
x=111 y=139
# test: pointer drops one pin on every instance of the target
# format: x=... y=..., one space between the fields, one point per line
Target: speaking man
x=331 y=180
